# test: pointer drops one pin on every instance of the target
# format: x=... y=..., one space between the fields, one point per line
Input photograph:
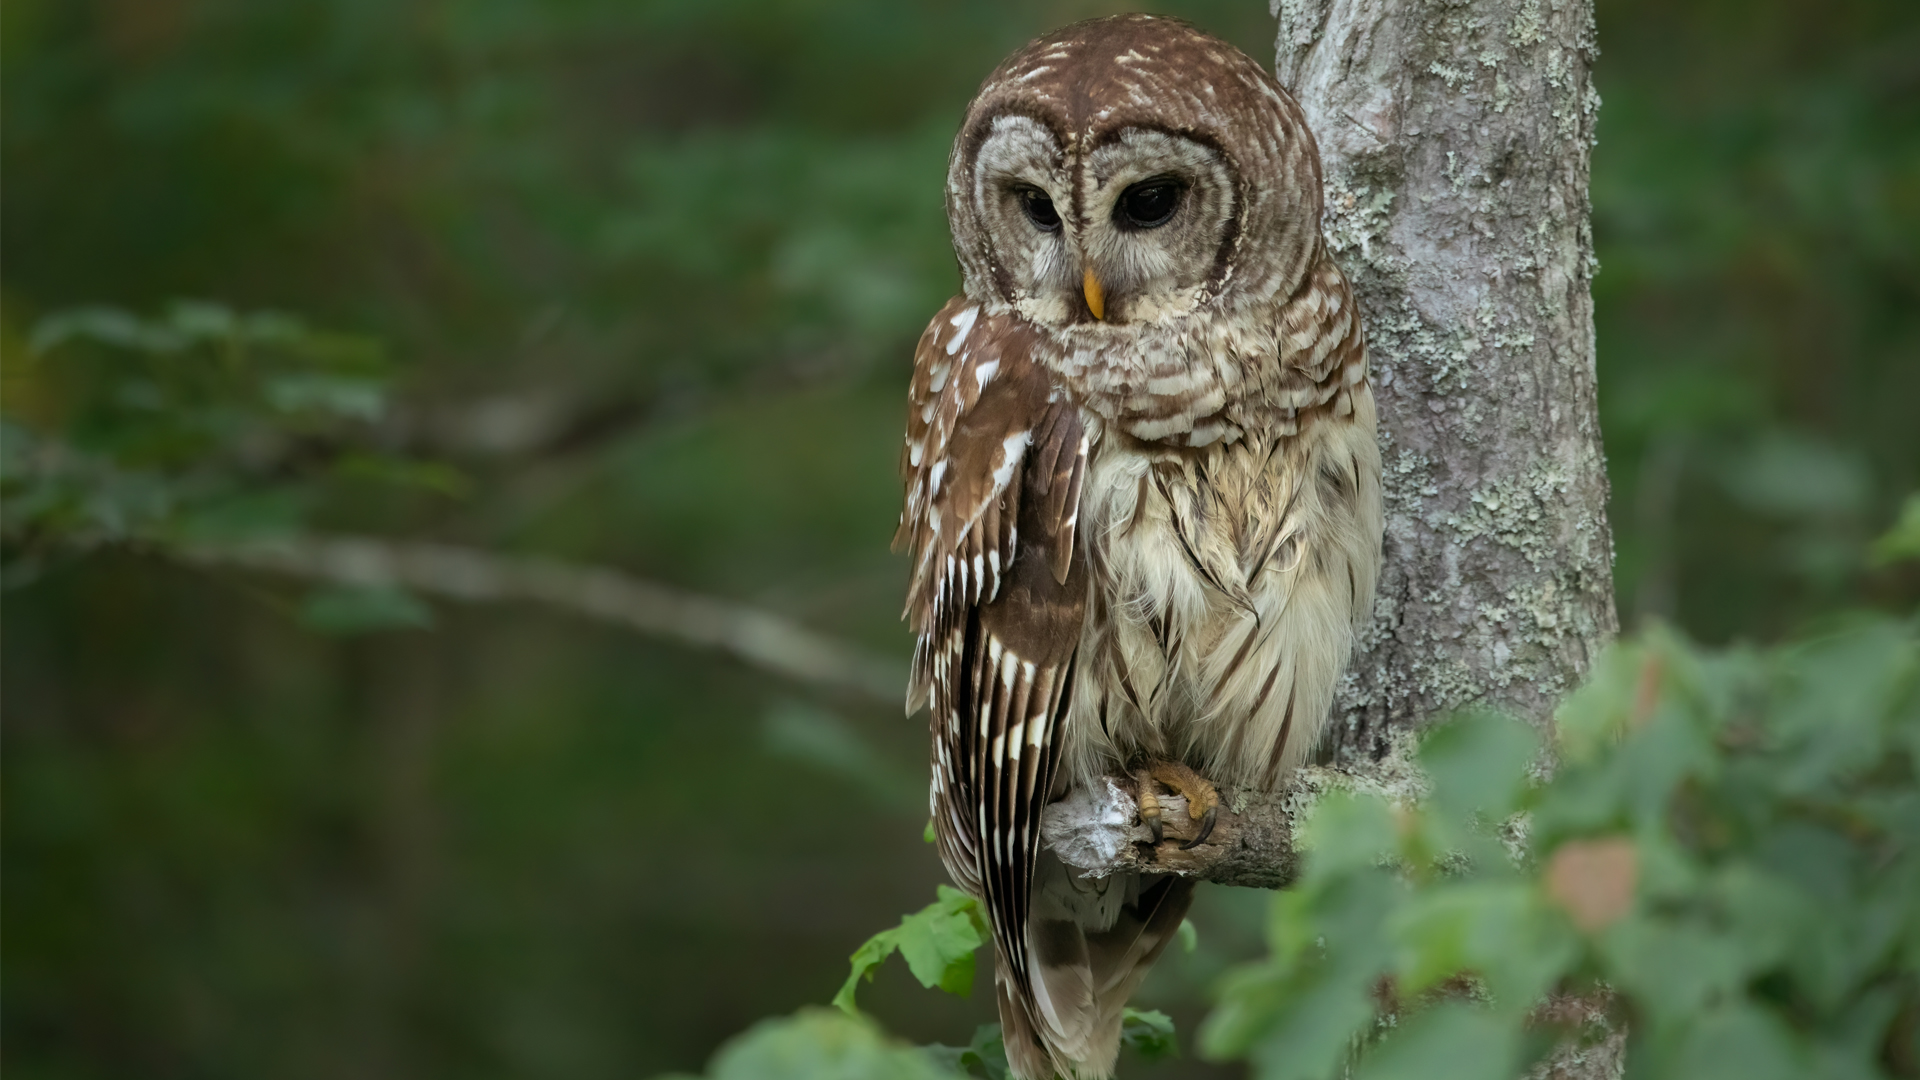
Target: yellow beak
x=1096 y=300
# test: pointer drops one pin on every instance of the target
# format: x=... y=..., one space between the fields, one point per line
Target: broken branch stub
x=1097 y=830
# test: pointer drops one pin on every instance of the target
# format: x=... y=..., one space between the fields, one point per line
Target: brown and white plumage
x=1143 y=493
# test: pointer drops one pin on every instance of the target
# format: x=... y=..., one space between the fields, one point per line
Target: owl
x=1143 y=503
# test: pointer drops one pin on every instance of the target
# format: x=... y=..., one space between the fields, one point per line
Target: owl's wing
x=994 y=462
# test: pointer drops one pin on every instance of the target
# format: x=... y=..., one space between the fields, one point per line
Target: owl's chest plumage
x=1225 y=582
x=1211 y=534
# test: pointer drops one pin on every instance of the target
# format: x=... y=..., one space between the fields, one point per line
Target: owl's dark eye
x=1149 y=204
x=1039 y=209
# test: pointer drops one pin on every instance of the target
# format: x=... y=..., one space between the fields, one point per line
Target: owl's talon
x=1206 y=829
x=1203 y=801
x=1149 y=804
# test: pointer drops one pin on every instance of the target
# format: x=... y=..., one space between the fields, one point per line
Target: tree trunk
x=1455 y=135
x=1456 y=138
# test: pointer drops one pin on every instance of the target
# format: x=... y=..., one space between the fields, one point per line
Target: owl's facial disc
x=1023 y=195
x=1157 y=211
x=1131 y=232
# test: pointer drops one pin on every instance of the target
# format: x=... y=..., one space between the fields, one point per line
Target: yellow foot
x=1203 y=802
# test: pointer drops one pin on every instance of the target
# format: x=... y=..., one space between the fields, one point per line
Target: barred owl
x=1142 y=488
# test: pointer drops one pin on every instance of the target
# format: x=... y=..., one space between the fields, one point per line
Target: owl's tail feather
x=1090 y=945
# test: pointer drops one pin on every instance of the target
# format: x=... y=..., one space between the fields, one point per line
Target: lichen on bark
x=1455 y=137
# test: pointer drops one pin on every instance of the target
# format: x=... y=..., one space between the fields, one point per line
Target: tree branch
x=761 y=638
x=1253 y=843
x=1097 y=831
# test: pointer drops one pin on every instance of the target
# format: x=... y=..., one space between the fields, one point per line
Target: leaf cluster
x=821 y=1044
x=937 y=942
x=1723 y=863
x=201 y=425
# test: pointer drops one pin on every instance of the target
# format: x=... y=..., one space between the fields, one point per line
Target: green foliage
x=347 y=610
x=199 y=425
x=984 y=1057
x=937 y=942
x=689 y=231
x=1188 y=937
x=1902 y=542
x=1757 y=303
x=1731 y=841
x=1148 y=1033
x=820 y=1044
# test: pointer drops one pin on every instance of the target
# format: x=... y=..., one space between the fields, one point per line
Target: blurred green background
x=647 y=277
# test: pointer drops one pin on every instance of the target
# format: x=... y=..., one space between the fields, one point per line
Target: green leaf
x=1478 y=764
x=1793 y=476
x=1738 y=1042
x=1595 y=717
x=106 y=325
x=431 y=476
x=1294 y=1012
x=1189 y=937
x=203 y=320
x=1671 y=965
x=1836 y=692
x=985 y=1056
x=1499 y=931
x=201 y=426
x=937 y=942
x=242 y=515
x=1451 y=1041
x=353 y=398
x=819 y=1044
x=1148 y=1033
x=1347 y=831
x=1902 y=541
x=871 y=954
x=1312 y=1040
x=354 y=610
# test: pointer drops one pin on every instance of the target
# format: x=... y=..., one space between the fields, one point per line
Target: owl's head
x=1131 y=170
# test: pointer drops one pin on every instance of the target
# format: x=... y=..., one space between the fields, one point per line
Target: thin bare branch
x=761 y=638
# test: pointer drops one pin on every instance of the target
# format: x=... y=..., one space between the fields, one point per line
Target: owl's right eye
x=1039 y=209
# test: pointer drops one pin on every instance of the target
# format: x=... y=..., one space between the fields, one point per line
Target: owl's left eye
x=1149 y=204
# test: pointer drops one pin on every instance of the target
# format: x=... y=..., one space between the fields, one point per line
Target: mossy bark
x=1456 y=138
